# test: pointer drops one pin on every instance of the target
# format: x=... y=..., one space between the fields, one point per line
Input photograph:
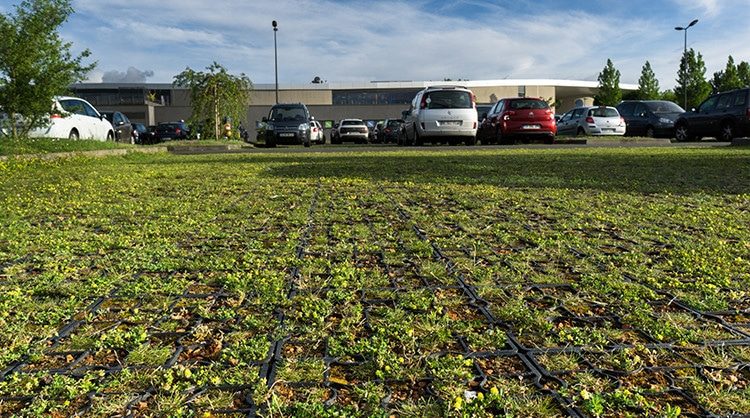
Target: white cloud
x=386 y=40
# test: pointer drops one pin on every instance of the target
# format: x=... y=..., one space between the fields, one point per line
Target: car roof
x=446 y=87
x=355 y=120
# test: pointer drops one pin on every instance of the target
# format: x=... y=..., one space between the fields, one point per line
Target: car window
x=626 y=109
x=660 y=107
x=73 y=106
x=604 y=112
x=725 y=101
x=89 y=110
x=352 y=122
x=641 y=109
x=528 y=104
x=577 y=113
x=117 y=118
x=709 y=104
x=740 y=98
x=448 y=99
x=125 y=118
x=287 y=114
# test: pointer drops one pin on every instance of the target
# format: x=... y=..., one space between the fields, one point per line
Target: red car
x=518 y=117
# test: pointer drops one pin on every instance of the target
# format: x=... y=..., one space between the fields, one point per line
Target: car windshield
x=392 y=123
x=528 y=104
x=604 y=112
x=448 y=99
x=287 y=114
x=664 y=107
x=352 y=122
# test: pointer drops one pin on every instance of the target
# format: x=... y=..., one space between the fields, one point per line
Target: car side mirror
x=312 y=117
x=120 y=123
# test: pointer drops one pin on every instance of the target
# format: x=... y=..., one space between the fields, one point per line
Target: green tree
x=216 y=95
x=609 y=86
x=743 y=72
x=648 y=85
x=691 y=78
x=35 y=63
x=729 y=79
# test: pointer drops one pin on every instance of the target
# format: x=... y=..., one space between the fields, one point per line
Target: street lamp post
x=684 y=54
x=276 y=59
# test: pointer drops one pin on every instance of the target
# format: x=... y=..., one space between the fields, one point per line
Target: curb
x=649 y=141
x=205 y=149
x=95 y=153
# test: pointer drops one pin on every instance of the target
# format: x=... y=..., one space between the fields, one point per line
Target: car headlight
x=666 y=121
x=304 y=126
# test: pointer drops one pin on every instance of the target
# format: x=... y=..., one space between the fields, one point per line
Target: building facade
x=152 y=103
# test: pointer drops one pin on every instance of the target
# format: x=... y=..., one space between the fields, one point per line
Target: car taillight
x=590 y=120
x=550 y=115
x=622 y=121
x=55 y=116
x=473 y=100
x=177 y=130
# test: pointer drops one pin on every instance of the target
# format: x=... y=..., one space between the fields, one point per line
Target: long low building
x=151 y=103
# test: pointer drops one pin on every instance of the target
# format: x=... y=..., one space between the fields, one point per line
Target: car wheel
x=110 y=136
x=580 y=132
x=681 y=133
x=727 y=132
x=650 y=132
x=500 y=138
x=470 y=140
x=418 y=140
x=73 y=136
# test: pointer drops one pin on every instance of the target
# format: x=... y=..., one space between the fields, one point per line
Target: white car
x=316 y=133
x=441 y=112
x=352 y=130
x=596 y=121
x=75 y=118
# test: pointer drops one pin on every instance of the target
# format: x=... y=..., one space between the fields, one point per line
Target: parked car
x=172 y=130
x=121 y=123
x=593 y=120
x=724 y=116
x=441 y=112
x=518 y=117
x=70 y=118
x=317 y=135
x=145 y=134
x=288 y=123
x=373 y=135
x=649 y=118
x=352 y=130
x=389 y=131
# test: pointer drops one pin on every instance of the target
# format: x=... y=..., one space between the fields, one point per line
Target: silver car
x=595 y=121
x=441 y=112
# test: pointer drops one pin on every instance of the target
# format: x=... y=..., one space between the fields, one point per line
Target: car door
x=485 y=128
x=117 y=124
x=638 y=121
x=722 y=111
x=576 y=120
x=700 y=123
x=96 y=127
x=563 y=125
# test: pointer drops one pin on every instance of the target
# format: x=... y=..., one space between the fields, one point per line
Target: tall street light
x=276 y=59
x=684 y=53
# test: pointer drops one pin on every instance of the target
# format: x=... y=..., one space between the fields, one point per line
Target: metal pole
x=276 y=60
x=684 y=78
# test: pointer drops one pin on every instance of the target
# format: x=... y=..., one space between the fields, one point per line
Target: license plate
x=286 y=134
x=450 y=123
x=531 y=127
x=608 y=130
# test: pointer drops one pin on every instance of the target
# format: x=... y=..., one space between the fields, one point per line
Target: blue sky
x=359 y=41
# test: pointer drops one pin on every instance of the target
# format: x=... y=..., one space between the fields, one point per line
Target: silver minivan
x=441 y=113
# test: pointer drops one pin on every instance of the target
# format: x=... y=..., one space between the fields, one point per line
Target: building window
x=521 y=91
x=368 y=97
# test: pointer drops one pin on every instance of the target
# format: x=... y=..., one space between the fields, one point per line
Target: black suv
x=172 y=130
x=287 y=124
x=649 y=118
x=724 y=116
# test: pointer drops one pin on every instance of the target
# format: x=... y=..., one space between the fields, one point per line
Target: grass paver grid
x=227 y=292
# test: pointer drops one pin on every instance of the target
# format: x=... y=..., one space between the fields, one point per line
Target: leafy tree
x=648 y=85
x=216 y=95
x=669 y=95
x=691 y=78
x=35 y=63
x=609 y=86
x=729 y=79
x=743 y=71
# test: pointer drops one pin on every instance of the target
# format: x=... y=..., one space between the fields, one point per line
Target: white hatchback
x=441 y=112
x=597 y=120
x=75 y=118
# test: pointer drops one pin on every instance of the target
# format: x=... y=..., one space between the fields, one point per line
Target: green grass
x=171 y=273
x=45 y=146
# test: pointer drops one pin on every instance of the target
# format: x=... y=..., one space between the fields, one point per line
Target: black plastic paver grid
x=393 y=293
